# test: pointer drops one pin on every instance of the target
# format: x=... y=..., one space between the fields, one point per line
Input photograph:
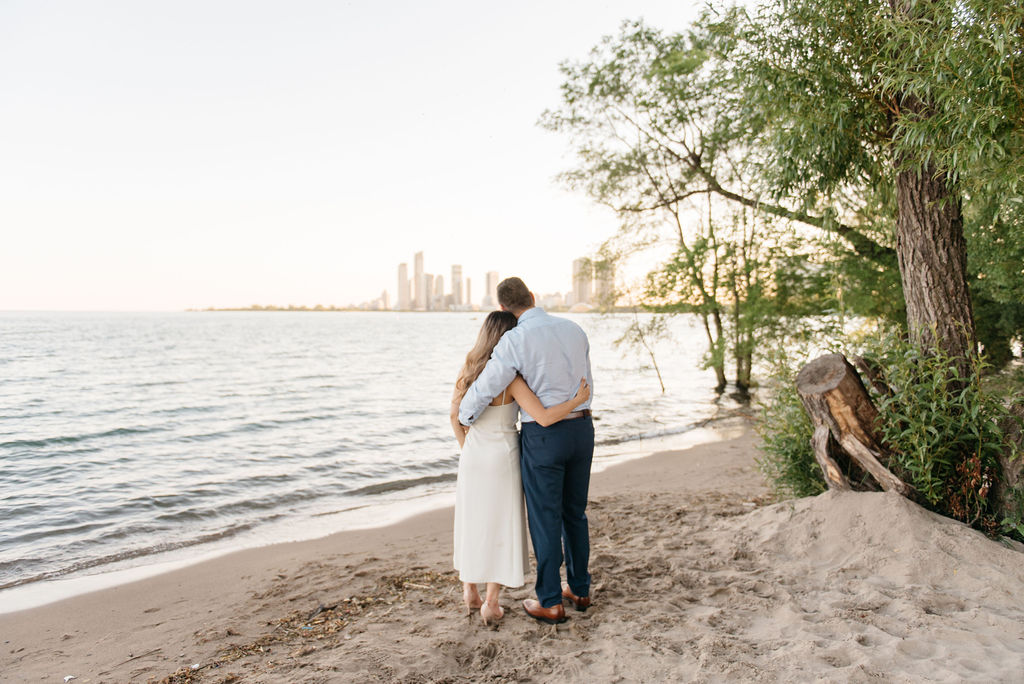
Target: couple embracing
x=527 y=362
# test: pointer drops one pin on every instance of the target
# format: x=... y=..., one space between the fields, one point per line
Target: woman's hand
x=583 y=393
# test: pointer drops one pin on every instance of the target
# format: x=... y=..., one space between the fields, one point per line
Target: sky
x=163 y=155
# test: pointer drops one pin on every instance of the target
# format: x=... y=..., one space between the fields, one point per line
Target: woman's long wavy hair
x=495 y=325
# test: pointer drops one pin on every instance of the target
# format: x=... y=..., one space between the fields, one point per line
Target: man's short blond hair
x=514 y=295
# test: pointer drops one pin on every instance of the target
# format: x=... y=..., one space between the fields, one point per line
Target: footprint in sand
x=913 y=648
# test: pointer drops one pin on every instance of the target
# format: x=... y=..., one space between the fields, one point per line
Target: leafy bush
x=944 y=432
x=787 y=460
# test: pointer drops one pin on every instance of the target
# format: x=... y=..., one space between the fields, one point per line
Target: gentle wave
x=399 y=485
x=206 y=426
x=73 y=439
x=120 y=556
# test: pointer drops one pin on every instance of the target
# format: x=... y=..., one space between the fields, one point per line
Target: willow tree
x=875 y=121
x=655 y=137
x=963 y=62
x=918 y=94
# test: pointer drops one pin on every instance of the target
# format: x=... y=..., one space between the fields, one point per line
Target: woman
x=490 y=519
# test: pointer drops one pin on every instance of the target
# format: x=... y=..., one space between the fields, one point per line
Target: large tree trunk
x=930 y=241
x=933 y=265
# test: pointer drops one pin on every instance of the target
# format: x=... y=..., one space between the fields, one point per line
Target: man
x=552 y=354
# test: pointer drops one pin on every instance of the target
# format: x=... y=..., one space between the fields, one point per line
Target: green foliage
x=948 y=445
x=837 y=95
x=803 y=110
x=943 y=430
x=964 y=58
x=787 y=460
x=728 y=269
x=995 y=235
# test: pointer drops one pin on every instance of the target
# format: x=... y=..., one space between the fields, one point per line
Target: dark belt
x=585 y=413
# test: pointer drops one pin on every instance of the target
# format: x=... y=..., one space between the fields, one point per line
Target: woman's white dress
x=490 y=516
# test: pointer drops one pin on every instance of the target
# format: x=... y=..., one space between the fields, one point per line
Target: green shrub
x=943 y=430
x=787 y=460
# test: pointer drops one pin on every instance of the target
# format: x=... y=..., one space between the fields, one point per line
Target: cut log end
x=844 y=419
x=823 y=374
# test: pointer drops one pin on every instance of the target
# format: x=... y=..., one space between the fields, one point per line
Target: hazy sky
x=169 y=154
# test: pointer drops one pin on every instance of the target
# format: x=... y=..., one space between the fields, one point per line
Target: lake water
x=126 y=436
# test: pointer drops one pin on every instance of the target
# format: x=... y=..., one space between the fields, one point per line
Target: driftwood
x=825 y=452
x=835 y=399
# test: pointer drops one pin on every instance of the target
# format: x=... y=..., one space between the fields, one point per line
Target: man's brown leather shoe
x=580 y=603
x=553 y=615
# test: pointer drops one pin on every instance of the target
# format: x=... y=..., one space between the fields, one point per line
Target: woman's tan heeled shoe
x=491 y=618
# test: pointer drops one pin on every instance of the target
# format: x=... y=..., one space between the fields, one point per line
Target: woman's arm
x=458 y=428
x=546 y=416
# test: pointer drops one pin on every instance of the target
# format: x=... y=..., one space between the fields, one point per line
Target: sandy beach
x=698 y=577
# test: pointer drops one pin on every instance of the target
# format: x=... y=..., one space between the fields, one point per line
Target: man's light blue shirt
x=551 y=353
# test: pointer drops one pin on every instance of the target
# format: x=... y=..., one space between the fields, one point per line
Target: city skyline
x=591 y=284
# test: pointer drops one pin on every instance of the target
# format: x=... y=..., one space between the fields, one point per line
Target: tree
x=655 y=135
x=881 y=122
x=920 y=91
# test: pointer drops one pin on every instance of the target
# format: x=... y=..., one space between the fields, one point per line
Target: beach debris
x=195 y=666
x=301 y=631
x=69 y=678
x=132 y=656
x=320 y=609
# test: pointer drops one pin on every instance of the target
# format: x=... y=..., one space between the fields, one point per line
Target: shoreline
x=82 y=633
x=697 y=576
x=373 y=514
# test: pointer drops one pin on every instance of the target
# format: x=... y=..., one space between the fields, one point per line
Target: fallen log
x=835 y=399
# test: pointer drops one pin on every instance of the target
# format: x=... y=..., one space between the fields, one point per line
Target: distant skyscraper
x=439 y=286
x=422 y=287
x=404 y=294
x=469 y=292
x=491 y=294
x=385 y=301
x=428 y=290
x=457 y=285
x=582 y=281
